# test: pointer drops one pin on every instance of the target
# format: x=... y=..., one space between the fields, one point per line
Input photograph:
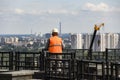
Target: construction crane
x=96 y=28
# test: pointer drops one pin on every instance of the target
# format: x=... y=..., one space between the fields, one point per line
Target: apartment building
x=101 y=41
x=76 y=41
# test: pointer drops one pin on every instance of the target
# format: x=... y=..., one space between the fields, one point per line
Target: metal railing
x=56 y=72
x=115 y=71
x=79 y=53
x=76 y=58
x=26 y=60
x=90 y=70
x=60 y=68
x=112 y=55
x=6 y=60
x=19 y=60
x=83 y=54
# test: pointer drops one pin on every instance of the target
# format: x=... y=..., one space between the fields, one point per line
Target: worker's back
x=55 y=44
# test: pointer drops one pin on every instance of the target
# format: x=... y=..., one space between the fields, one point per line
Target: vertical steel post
x=10 y=60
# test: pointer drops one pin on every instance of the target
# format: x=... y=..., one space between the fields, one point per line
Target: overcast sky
x=76 y=16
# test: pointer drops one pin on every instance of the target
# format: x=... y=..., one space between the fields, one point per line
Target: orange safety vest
x=55 y=45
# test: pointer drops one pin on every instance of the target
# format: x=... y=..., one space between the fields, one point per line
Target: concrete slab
x=17 y=75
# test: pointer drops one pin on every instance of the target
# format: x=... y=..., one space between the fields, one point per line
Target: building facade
x=76 y=41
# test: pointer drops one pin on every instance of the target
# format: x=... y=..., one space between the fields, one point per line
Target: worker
x=55 y=45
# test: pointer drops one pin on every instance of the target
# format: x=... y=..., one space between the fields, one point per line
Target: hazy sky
x=76 y=16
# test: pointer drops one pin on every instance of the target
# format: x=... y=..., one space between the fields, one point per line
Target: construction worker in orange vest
x=55 y=45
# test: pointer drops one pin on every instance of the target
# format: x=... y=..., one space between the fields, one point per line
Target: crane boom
x=99 y=26
x=96 y=28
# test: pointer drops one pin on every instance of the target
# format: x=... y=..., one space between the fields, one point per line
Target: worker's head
x=54 y=32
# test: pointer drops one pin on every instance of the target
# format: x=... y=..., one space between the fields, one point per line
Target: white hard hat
x=55 y=30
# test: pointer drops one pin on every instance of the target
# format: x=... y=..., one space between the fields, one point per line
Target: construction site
x=76 y=64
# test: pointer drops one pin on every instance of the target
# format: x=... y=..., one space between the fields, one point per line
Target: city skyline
x=76 y=16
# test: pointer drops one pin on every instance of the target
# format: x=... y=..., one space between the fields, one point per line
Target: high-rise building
x=99 y=42
x=87 y=40
x=112 y=40
x=102 y=42
x=76 y=41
